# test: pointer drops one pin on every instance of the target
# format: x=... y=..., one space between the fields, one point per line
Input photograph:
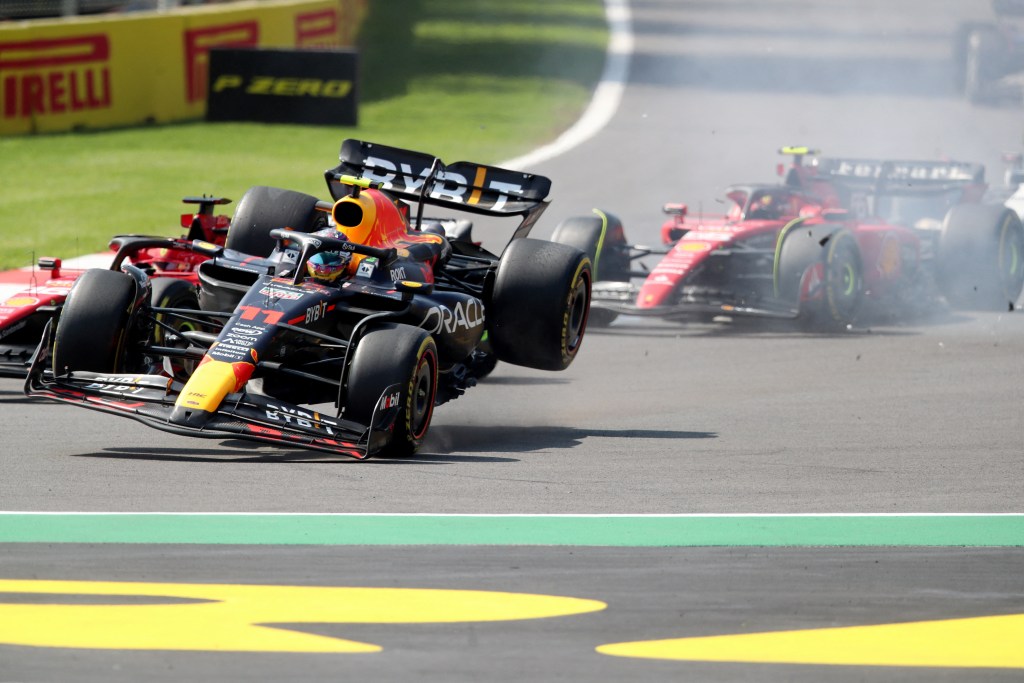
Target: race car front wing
x=620 y=297
x=150 y=399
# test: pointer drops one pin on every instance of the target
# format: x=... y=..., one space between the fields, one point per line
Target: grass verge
x=479 y=80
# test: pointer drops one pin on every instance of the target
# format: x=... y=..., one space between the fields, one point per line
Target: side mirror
x=676 y=210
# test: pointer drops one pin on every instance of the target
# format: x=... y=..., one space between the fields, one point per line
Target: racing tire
x=395 y=354
x=262 y=209
x=602 y=239
x=540 y=304
x=818 y=269
x=980 y=259
x=92 y=331
x=174 y=293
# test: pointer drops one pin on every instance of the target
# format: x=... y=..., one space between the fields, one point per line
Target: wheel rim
x=843 y=285
x=578 y=310
x=421 y=396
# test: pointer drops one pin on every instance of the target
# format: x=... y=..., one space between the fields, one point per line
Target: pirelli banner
x=127 y=69
x=283 y=86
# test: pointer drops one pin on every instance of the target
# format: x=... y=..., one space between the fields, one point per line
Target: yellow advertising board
x=127 y=69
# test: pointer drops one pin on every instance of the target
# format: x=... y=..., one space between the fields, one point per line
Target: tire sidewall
x=980 y=259
x=391 y=354
x=538 y=310
x=93 y=326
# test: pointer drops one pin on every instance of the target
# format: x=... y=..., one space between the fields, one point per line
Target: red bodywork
x=36 y=294
x=709 y=254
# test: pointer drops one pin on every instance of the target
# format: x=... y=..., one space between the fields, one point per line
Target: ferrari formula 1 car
x=838 y=239
x=361 y=302
x=170 y=262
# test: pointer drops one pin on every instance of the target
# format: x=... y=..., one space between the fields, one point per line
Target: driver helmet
x=327 y=266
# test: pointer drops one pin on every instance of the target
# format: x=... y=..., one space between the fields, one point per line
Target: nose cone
x=206 y=389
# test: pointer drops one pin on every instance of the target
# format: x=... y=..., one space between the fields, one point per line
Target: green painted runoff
x=554 y=530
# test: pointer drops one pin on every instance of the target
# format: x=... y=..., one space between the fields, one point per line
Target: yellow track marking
x=241 y=617
x=988 y=642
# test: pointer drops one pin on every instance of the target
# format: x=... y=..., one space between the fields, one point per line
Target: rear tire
x=602 y=239
x=395 y=354
x=263 y=209
x=541 y=301
x=92 y=330
x=831 y=254
x=980 y=260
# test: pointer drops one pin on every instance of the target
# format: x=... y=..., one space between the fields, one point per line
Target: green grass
x=479 y=80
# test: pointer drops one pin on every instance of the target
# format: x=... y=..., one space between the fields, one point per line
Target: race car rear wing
x=878 y=173
x=463 y=185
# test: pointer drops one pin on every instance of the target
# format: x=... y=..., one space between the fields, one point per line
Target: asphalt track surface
x=893 y=450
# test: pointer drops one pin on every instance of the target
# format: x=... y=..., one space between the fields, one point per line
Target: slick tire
x=540 y=304
x=818 y=270
x=602 y=239
x=262 y=209
x=92 y=331
x=395 y=354
x=980 y=260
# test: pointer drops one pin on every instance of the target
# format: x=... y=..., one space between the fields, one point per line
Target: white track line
x=607 y=95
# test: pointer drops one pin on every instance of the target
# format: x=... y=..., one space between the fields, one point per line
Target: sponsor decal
x=52 y=288
x=119 y=388
x=199 y=42
x=281 y=293
x=390 y=401
x=13 y=328
x=462 y=317
x=316 y=311
x=19 y=301
x=283 y=87
x=398 y=274
x=458 y=190
x=366 y=267
x=278 y=85
x=236 y=342
x=317 y=29
x=908 y=170
x=55 y=76
x=709 y=236
x=299 y=418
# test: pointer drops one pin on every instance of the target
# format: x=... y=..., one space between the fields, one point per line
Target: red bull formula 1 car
x=342 y=324
x=839 y=240
x=35 y=296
